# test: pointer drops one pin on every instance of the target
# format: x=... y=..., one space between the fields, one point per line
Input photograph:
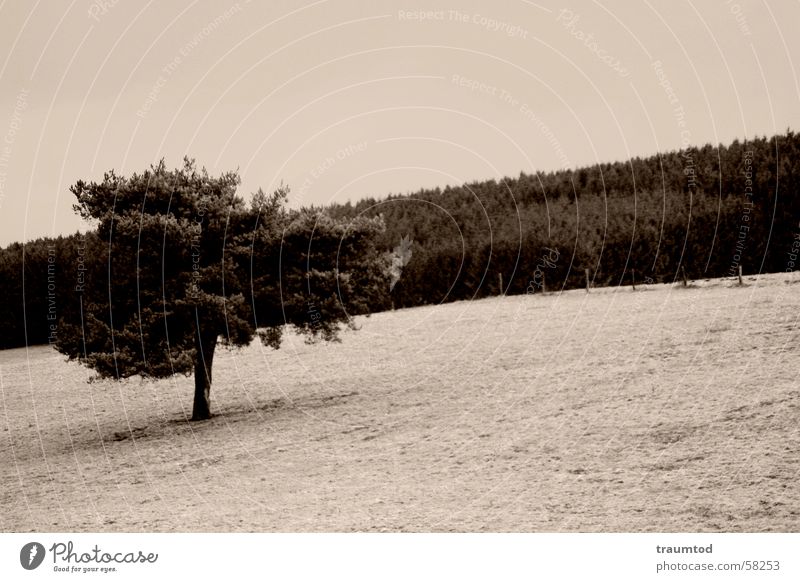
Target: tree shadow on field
x=166 y=428
x=275 y=407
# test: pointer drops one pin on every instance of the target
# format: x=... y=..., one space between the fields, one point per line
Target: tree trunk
x=205 y=344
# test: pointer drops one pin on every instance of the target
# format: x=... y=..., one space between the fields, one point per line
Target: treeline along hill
x=706 y=211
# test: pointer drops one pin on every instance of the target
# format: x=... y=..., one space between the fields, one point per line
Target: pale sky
x=345 y=99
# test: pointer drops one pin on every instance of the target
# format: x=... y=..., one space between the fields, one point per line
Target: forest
x=705 y=211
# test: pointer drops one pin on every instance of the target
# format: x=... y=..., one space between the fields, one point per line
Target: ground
x=660 y=409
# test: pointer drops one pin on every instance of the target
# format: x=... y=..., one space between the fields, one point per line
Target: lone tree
x=179 y=263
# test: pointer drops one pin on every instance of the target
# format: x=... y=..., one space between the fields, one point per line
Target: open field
x=664 y=409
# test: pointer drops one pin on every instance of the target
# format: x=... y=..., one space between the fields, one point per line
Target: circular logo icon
x=31 y=555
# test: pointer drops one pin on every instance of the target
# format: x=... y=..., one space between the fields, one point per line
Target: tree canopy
x=179 y=263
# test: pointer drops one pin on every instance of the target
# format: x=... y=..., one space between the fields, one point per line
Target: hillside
x=665 y=409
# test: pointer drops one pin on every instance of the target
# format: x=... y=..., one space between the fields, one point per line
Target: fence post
x=683 y=274
x=500 y=275
x=544 y=287
x=740 y=275
x=587 y=279
x=633 y=278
